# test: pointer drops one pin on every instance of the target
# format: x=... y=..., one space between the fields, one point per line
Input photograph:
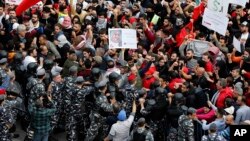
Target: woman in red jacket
x=206 y=113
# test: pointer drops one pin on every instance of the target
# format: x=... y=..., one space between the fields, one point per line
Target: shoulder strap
x=216 y=136
x=208 y=138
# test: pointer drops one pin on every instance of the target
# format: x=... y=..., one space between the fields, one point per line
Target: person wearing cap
x=141 y=133
x=186 y=126
x=35 y=86
x=213 y=135
x=130 y=92
x=243 y=113
x=14 y=102
x=69 y=83
x=71 y=61
x=101 y=109
x=113 y=88
x=155 y=109
x=56 y=90
x=76 y=113
x=120 y=130
x=6 y=118
x=245 y=37
x=4 y=77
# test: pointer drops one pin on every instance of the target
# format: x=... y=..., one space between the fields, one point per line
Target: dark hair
x=71 y=52
x=2 y=5
x=62 y=7
x=30 y=50
x=190 y=50
x=103 y=31
x=87 y=64
x=229 y=102
x=58 y=25
x=110 y=64
x=243 y=99
x=88 y=50
x=77 y=17
x=221 y=111
x=142 y=15
x=187 y=84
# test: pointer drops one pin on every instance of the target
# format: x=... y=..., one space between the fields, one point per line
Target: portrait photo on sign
x=115 y=37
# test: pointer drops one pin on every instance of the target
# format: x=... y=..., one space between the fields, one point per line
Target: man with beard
x=36 y=24
x=77 y=30
x=191 y=62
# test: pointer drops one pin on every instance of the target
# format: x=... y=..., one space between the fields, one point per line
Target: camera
x=46 y=101
x=133 y=93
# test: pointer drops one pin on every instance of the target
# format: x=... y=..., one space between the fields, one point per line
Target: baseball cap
x=245 y=23
x=122 y=115
x=2 y=94
x=40 y=72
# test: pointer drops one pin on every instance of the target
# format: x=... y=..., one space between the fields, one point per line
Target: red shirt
x=209 y=67
x=147 y=82
x=225 y=93
x=209 y=117
x=173 y=82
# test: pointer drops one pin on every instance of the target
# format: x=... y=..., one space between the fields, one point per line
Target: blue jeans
x=41 y=137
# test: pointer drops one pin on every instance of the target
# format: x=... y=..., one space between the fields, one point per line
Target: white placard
x=215 y=5
x=218 y=5
x=236 y=44
x=122 y=38
x=215 y=21
x=239 y=2
x=15 y=2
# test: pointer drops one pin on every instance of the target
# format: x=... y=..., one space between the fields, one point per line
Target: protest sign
x=199 y=47
x=15 y=2
x=218 y=5
x=215 y=21
x=239 y=2
x=155 y=19
x=236 y=44
x=122 y=38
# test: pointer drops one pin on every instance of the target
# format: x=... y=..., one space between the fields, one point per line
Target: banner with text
x=215 y=21
x=122 y=38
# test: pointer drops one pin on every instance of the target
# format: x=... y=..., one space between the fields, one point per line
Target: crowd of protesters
x=59 y=75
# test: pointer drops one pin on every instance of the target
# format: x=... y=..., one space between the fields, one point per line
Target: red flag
x=25 y=4
x=198 y=11
x=183 y=32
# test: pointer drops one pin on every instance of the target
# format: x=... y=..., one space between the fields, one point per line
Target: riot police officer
x=75 y=120
x=113 y=87
x=99 y=113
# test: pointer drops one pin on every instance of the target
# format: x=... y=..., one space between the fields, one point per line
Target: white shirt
x=120 y=130
x=27 y=60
